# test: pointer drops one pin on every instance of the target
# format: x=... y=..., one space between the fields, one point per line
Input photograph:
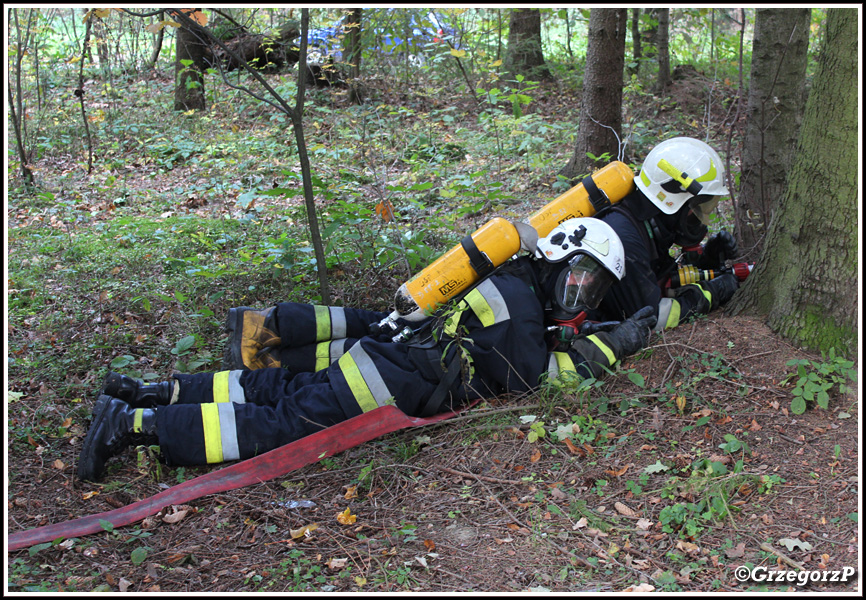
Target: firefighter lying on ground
x=676 y=190
x=327 y=364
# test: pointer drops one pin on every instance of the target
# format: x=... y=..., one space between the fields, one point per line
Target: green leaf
x=106 y=525
x=637 y=379
x=122 y=361
x=798 y=405
x=658 y=467
x=38 y=547
x=138 y=556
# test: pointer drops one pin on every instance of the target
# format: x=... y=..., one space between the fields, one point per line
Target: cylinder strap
x=597 y=197
x=477 y=259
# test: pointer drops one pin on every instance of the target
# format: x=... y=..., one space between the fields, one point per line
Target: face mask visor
x=582 y=285
x=703 y=206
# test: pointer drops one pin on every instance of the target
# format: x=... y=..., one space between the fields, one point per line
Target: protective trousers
x=332 y=371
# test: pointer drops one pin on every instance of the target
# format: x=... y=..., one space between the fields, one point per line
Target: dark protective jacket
x=333 y=370
x=647 y=239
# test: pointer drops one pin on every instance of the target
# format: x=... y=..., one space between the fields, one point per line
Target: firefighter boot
x=252 y=343
x=114 y=427
x=136 y=393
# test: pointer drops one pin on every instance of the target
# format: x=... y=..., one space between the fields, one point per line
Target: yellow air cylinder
x=616 y=180
x=497 y=240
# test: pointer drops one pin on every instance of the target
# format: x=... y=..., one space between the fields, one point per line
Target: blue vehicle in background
x=389 y=32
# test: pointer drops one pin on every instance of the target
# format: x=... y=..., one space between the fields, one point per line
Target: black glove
x=590 y=327
x=719 y=248
x=722 y=288
x=633 y=334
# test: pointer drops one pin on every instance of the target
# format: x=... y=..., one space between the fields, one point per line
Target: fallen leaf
x=572 y=448
x=754 y=426
x=688 y=547
x=304 y=531
x=536 y=456
x=430 y=545
x=351 y=492
x=644 y=524
x=790 y=544
x=177 y=514
x=580 y=524
x=737 y=551
x=337 y=563
x=618 y=472
x=346 y=517
x=642 y=587
x=58 y=464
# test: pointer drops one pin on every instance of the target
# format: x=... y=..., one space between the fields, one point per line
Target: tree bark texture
x=524 y=55
x=663 y=46
x=637 y=52
x=806 y=281
x=352 y=29
x=600 y=125
x=777 y=96
x=189 y=81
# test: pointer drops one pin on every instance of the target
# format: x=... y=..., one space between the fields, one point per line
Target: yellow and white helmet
x=679 y=169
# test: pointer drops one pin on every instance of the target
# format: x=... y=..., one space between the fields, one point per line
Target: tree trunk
x=775 y=110
x=806 y=281
x=523 y=54
x=637 y=53
x=189 y=81
x=157 y=44
x=663 y=50
x=600 y=124
x=352 y=29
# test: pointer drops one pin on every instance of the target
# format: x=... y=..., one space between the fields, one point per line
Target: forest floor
x=684 y=465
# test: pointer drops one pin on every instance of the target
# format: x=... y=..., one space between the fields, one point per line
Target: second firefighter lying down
x=323 y=365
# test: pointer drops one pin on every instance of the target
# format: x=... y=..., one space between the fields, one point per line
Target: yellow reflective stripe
x=137 y=419
x=708 y=295
x=674 y=315
x=221 y=386
x=323 y=355
x=323 y=323
x=363 y=395
x=710 y=175
x=210 y=420
x=481 y=308
x=564 y=362
x=611 y=357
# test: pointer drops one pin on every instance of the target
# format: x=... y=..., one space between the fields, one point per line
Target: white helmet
x=595 y=259
x=679 y=169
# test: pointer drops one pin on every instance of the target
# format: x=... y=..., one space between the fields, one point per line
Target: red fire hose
x=278 y=462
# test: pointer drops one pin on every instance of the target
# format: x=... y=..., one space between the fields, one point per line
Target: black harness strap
x=598 y=198
x=477 y=259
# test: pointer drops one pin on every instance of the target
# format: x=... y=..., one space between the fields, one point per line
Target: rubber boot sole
x=90 y=466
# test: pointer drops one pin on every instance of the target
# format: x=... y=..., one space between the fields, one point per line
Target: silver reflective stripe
x=669 y=310
x=236 y=392
x=338 y=322
x=228 y=431
x=552 y=367
x=495 y=300
x=337 y=349
x=378 y=387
